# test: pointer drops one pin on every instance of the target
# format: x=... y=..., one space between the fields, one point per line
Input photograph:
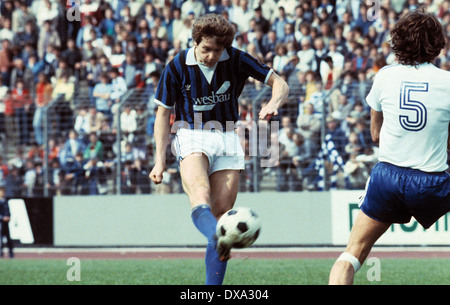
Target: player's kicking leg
x=196 y=183
x=365 y=232
x=224 y=189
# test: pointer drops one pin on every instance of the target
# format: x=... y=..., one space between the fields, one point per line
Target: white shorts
x=223 y=149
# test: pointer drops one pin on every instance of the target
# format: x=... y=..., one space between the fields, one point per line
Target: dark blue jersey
x=200 y=97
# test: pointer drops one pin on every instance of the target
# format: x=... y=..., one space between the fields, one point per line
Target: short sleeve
x=252 y=67
x=373 y=98
x=167 y=90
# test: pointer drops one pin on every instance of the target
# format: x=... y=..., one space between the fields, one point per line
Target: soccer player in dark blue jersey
x=202 y=85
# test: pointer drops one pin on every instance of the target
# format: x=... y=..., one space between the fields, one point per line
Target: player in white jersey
x=410 y=118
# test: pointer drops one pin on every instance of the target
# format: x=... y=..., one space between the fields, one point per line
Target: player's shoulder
x=179 y=58
x=440 y=73
x=177 y=64
x=390 y=68
x=234 y=53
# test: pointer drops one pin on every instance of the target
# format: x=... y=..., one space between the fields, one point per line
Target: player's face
x=208 y=52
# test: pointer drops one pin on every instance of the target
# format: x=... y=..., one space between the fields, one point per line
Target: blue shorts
x=395 y=194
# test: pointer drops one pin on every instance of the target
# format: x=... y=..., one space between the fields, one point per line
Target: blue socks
x=206 y=223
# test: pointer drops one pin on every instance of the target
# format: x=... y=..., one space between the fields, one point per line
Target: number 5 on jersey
x=409 y=121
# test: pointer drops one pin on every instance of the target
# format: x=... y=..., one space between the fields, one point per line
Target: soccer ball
x=238 y=228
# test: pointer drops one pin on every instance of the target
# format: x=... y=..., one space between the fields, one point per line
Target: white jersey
x=415 y=102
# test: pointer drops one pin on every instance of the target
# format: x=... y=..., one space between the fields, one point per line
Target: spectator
x=28 y=37
x=82 y=125
x=260 y=21
x=353 y=146
x=306 y=56
x=330 y=73
x=127 y=186
x=356 y=173
x=130 y=70
x=359 y=60
x=196 y=7
x=8 y=125
x=362 y=21
x=84 y=35
x=128 y=123
x=102 y=93
x=281 y=59
x=43 y=96
x=320 y=54
x=29 y=177
x=363 y=132
x=47 y=36
x=94 y=149
x=39 y=182
x=21 y=102
x=6 y=32
x=139 y=176
x=14 y=184
x=359 y=112
x=5 y=217
x=72 y=56
x=21 y=71
x=51 y=61
x=108 y=24
x=287 y=174
x=4 y=171
x=308 y=124
x=94 y=183
x=151 y=65
x=36 y=66
x=242 y=15
x=64 y=90
x=7 y=9
x=57 y=184
x=72 y=146
x=289 y=35
x=75 y=175
x=95 y=119
x=46 y=12
x=270 y=41
x=337 y=136
x=279 y=24
x=119 y=85
x=342 y=110
x=35 y=153
x=6 y=61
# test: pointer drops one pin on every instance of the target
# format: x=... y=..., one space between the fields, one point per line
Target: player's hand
x=156 y=175
x=269 y=109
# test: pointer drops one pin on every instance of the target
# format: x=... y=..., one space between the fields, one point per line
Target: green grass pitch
x=239 y=272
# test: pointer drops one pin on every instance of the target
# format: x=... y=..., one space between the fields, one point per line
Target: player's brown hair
x=418 y=37
x=215 y=26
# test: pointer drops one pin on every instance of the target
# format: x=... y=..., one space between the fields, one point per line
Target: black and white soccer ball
x=238 y=228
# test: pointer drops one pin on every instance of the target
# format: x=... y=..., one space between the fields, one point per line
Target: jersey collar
x=191 y=61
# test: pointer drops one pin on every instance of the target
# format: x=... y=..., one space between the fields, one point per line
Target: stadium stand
x=76 y=96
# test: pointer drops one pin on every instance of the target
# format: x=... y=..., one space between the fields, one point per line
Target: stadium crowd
x=329 y=48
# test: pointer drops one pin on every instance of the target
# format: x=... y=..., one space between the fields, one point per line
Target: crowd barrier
x=288 y=219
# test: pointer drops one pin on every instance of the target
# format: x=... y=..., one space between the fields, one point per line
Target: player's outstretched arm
x=376 y=121
x=280 y=93
x=162 y=130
